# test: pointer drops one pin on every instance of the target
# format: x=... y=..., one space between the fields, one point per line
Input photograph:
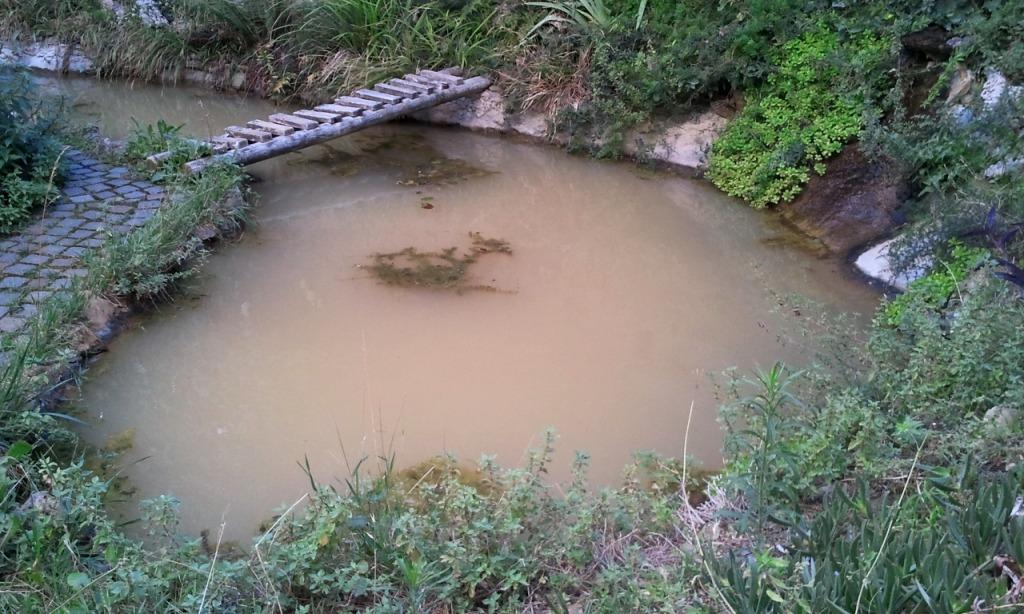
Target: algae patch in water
x=446 y=269
x=441 y=171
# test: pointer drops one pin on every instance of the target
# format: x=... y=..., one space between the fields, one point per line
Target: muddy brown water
x=625 y=291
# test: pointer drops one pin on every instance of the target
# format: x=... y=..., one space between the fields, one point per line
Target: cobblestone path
x=97 y=201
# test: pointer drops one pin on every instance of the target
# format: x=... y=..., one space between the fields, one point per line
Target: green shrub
x=159 y=138
x=797 y=121
x=947 y=547
x=935 y=288
x=29 y=151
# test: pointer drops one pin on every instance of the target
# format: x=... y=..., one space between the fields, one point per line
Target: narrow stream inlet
x=624 y=290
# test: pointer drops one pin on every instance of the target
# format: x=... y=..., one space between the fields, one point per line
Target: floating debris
x=445 y=269
x=442 y=171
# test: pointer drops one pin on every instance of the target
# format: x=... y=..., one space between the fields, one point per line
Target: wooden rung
x=363 y=103
x=425 y=81
x=249 y=134
x=442 y=77
x=381 y=96
x=320 y=116
x=271 y=127
x=340 y=109
x=426 y=88
x=294 y=121
x=397 y=90
x=229 y=141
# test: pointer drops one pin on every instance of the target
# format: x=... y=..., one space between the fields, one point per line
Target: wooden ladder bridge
x=281 y=133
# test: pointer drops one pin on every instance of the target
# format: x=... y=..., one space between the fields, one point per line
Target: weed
x=444 y=269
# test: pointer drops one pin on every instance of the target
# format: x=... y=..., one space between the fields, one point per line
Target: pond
x=620 y=292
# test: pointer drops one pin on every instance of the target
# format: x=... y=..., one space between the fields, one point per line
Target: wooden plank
x=340 y=109
x=362 y=103
x=293 y=121
x=442 y=77
x=381 y=96
x=249 y=134
x=320 y=116
x=271 y=127
x=425 y=81
x=397 y=90
x=326 y=132
x=230 y=141
x=425 y=88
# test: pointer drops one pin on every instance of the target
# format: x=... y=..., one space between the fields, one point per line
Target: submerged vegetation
x=444 y=270
x=884 y=476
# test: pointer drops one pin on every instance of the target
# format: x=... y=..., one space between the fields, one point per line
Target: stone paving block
x=18 y=269
x=81 y=233
x=39 y=296
x=12 y=281
x=75 y=273
x=62 y=262
x=91 y=243
x=27 y=311
x=35 y=259
x=118 y=182
x=136 y=195
x=10 y=324
x=84 y=198
x=75 y=251
x=105 y=195
x=9 y=298
x=73 y=191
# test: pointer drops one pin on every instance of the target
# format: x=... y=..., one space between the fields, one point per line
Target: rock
x=114 y=7
x=1002 y=416
x=149 y=13
x=996 y=86
x=46 y=55
x=41 y=502
x=1003 y=167
x=684 y=144
x=932 y=41
x=876 y=263
x=855 y=202
x=729 y=107
x=483 y=112
x=959 y=85
x=100 y=313
x=206 y=233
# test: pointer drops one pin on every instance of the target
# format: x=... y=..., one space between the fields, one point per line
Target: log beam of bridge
x=299 y=139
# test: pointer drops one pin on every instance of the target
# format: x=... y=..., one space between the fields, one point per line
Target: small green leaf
x=78 y=580
x=777 y=598
x=19 y=449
